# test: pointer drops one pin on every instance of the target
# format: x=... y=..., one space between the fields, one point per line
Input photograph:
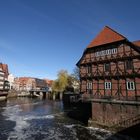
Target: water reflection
x=35 y=119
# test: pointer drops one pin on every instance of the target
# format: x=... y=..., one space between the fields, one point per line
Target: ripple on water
x=35 y=126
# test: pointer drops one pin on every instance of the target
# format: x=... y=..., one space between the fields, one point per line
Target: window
x=129 y=64
x=130 y=86
x=89 y=85
x=97 y=54
x=107 y=67
x=89 y=69
x=114 y=50
x=102 y=53
x=107 y=85
x=108 y=51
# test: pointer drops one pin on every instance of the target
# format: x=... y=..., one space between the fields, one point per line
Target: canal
x=36 y=119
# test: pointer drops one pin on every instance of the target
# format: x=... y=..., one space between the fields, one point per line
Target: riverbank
x=28 y=118
x=15 y=94
x=45 y=119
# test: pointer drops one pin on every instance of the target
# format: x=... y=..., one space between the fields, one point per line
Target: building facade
x=110 y=67
x=11 y=79
x=4 y=84
x=29 y=83
x=1 y=78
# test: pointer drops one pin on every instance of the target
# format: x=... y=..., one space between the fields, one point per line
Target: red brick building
x=110 y=67
x=29 y=83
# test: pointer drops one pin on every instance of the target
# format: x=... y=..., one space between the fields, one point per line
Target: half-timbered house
x=110 y=67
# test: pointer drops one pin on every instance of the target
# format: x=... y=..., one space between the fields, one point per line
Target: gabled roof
x=4 y=68
x=49 y=82
x=137 y=43
x=107 y=35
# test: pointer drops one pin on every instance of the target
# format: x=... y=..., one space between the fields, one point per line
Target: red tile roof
x=28 y=80
x=1 y=65
x=4 y=68
x=23 y=80
x=107 y=35
x=137 y=43
x=49 y=82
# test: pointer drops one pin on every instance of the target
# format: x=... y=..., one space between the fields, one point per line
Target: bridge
x=38 y=92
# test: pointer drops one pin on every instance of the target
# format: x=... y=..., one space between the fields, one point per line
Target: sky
x=38 y=38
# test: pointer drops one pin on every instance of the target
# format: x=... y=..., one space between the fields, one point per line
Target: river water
x=36 y=119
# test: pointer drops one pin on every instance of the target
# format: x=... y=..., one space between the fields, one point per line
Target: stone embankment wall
x=12 y=94
x=111 y=115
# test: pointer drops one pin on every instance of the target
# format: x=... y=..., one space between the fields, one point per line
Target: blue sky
x=40 y=37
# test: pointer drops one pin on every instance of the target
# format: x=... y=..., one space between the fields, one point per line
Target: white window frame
x=89 y=85
x=108 y=52
x=130 y=85
x=114 y=50
x=97 y=54
x=103 y=53
x=108 y=85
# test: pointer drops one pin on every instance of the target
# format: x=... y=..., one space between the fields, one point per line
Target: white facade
x=1 y=79
x=11 y=80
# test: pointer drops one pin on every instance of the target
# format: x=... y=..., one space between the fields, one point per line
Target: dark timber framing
x=118 y=75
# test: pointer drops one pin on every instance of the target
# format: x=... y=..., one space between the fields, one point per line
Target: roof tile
x=107 y=35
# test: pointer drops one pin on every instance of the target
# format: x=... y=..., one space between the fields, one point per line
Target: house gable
x=107 y=35
x=107 y=38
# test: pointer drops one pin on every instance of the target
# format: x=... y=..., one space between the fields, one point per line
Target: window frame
x=108 y=85
x=114 y=51
x=130 y=85
x=89 y=85
x=129 y=64
x=89 y=69
x=105 y=67
x=108 y=51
